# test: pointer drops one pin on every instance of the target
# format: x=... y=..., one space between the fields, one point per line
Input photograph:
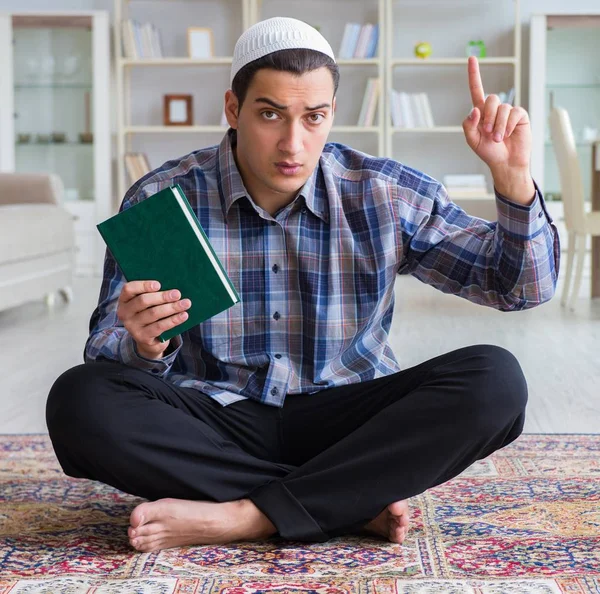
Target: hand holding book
x=160 y=239
x=147 y=312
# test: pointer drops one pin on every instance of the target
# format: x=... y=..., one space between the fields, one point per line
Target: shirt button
x=275 y=268
x=540 y=215
x=303 y=210
x=277 y=356
x=276 y=315
x=274 y=391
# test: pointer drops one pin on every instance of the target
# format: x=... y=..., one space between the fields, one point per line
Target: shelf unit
x=38 y=97
x=385 y=66
x=252 y=12
x=417 y=66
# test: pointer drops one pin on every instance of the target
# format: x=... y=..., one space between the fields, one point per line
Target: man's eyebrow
x=284 y=107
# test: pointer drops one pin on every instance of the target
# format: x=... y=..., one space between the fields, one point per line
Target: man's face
x=281 y=130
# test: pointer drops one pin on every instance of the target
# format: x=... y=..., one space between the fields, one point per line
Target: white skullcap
x=276 y=34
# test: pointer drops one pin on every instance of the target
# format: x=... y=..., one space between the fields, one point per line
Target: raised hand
x=500 y=135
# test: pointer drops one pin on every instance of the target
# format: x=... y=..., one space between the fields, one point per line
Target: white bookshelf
x=430 y=144
x=130 y=133
x=428 y=149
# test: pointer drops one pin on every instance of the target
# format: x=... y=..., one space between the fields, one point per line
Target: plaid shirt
x=316 y=280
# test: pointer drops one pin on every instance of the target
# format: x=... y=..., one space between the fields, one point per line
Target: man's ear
x=231 y=109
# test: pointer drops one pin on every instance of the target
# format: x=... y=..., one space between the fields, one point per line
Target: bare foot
x=392 y=523
x=168 y=523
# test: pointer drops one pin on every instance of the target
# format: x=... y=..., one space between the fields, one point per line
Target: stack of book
x=369 y=104
x=137 y=166
x=411 y=110
x=359 y=41
x=140 y=40
x=466 y=185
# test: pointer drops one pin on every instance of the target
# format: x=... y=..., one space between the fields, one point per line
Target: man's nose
x=291 y=142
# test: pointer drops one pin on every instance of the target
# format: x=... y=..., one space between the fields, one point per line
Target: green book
x=160 y=238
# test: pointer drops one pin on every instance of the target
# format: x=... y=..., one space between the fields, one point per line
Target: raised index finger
x=475 y=84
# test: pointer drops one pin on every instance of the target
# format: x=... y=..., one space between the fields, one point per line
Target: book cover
x=160 y=238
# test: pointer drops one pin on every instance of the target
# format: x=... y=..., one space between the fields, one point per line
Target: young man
x=288 y=412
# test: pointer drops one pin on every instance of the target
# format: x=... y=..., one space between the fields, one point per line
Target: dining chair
x=578 y=221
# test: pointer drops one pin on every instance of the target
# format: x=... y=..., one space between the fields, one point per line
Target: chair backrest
x=571 y=183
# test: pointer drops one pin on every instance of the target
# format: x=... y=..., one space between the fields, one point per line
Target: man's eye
x=268 y=114
x=315 y=118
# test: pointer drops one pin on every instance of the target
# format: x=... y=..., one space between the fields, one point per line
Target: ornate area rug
x=524 y=521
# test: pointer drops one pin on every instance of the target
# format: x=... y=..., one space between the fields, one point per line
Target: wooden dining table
x=595 y=280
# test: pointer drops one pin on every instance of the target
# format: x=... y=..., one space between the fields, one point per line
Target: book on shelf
x=411 y=110
x=359 y=41
x=140 y=40
x=369 y=104
x=137 y=166
x=160 y=238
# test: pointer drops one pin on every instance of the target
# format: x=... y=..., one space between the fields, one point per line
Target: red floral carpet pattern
x=524 y=521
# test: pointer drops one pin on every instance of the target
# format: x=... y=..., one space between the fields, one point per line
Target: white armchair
x=37 y=240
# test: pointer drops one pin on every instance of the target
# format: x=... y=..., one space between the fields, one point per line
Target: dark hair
x=296 y=61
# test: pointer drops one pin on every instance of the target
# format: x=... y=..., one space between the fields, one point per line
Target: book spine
x=405 y=110
x=365 y=101
x=363 y=38
x=127 y=50
x=343 y=53
x=428 y=113
x=132 y=36
x=415 y=108
x=372 y=108
x=372 y=48
x=353 y=39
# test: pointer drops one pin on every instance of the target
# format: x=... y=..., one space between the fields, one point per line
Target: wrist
x=515 y=185
x=155 y=355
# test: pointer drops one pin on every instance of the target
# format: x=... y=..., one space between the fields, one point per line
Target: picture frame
x=200 y=42
x=178 y=110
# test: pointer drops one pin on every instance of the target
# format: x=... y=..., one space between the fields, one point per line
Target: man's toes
x=151 y=544
x=146 y=530
x=140 y=515
x=396 y=534
x=398 y=508
x=145 y=544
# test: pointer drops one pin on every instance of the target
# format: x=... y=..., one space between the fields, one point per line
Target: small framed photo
x=178 y=110
x=200 y=42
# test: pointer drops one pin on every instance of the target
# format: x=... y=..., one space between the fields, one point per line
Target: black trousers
x=323 y=465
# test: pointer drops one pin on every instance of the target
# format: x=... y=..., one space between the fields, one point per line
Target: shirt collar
x=229 y=180
x=232 y=187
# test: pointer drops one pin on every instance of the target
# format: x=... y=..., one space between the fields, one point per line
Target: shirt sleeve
x=510 y=264
x=108 y=339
